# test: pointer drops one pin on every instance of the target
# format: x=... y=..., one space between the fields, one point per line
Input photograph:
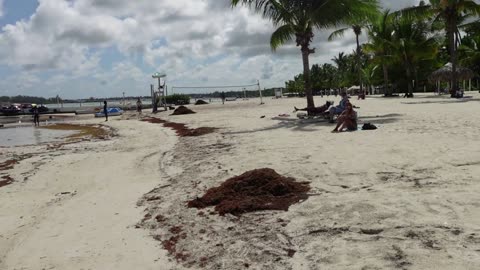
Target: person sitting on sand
x=315 y=110
x=340 y=108
x=347 y=120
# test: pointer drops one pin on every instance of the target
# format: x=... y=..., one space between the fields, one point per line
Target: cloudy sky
x=100 y=48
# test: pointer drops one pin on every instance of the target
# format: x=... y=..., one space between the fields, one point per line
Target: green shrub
x=178 y=99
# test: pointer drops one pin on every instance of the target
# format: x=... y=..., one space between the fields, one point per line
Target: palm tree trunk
x=385 y=80
x=415 y=84
x=409 y=82
x=359 y=64
x=306 y=76
x=409 y=78
x=453 y=54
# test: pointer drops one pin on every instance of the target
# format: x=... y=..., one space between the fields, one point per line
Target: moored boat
x=110 y=112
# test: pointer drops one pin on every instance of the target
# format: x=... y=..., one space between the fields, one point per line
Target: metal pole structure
x=158 y=76
x=123 y=100
x=165 y=95
x=154 y=99
x=160 y=89
x=260 y=91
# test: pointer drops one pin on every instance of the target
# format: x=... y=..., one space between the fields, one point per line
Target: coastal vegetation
x=178 y=99
x=297 y=19
x=27 y=99
x=404 y=47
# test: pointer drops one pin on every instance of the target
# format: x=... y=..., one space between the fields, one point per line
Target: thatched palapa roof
x=445 y=73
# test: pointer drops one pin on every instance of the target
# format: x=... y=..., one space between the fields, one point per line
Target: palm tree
x=449 y=12
x=357 y=25
x=469 y=50
x=299 y=18
x=411 y=44
x=341 y=62
x=380 y=33
x=368 y=74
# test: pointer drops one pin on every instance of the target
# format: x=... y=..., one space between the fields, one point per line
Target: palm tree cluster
x=297 y=20
x=406 y=45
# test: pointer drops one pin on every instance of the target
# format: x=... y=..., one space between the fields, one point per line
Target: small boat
x=110 y=112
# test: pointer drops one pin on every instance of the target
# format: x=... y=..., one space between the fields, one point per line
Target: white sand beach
x=404 y=196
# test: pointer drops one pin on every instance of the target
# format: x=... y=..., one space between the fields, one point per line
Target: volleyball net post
x=260 y=91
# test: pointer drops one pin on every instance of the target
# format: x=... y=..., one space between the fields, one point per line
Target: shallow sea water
x=30 y=135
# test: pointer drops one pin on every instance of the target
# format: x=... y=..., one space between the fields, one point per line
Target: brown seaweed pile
x=181 y=129
x=5 y=180
x=82 y=131
x=256 y=190
x=201 y=102
x=182 y=110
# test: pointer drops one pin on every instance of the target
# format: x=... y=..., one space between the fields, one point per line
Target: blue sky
x=13 y=12
x=100 y=48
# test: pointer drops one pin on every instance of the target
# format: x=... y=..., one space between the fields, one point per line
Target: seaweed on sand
x=256 y=190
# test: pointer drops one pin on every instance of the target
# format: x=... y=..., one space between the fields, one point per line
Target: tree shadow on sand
x=445 y=100
x=310 y=125
x=380 y=119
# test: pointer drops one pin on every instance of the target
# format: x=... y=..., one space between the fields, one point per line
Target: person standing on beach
x=139 y=106
x=36 y=115
x=105 y=111
x=222 y=95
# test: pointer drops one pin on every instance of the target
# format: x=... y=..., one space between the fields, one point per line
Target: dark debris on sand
x=182 y=110
x=201 y=102
x=256 y=190
x=181 y=129
x=6 y=180
x=8 y=164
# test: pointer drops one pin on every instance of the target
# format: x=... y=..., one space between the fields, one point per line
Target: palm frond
x=338 y=33
x=470 y=7
x=419 y=12
x=282 y=35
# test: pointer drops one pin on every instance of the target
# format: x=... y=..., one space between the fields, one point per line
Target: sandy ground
x=404 y=196
x=75 y=207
